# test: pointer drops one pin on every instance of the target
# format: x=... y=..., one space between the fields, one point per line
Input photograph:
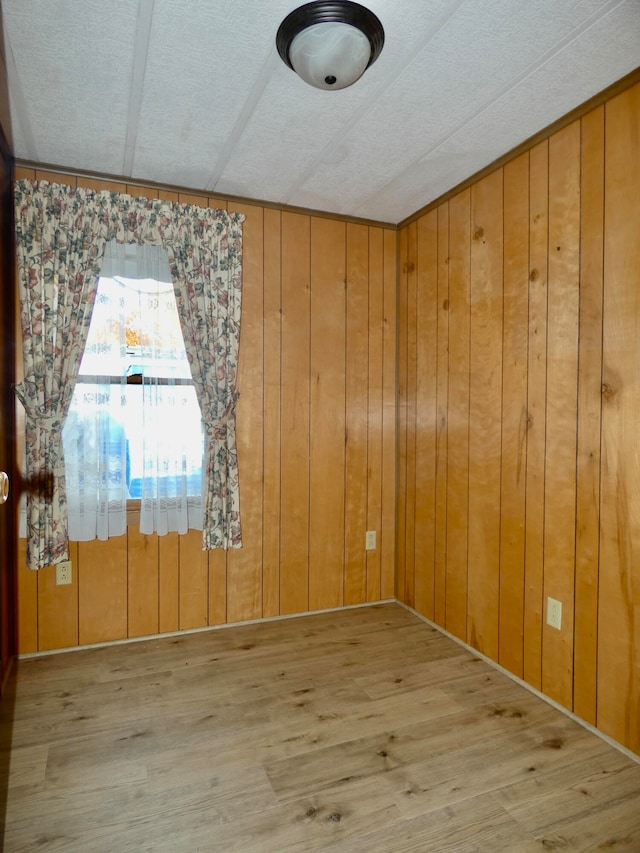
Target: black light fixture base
x=330 y=11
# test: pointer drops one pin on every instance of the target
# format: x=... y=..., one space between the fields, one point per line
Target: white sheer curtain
x=134 y=428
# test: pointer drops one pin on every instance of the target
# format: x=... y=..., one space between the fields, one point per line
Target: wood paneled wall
x=316 y=446
x=519 y=415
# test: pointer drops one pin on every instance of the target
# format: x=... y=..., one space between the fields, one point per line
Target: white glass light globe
x=330 y=55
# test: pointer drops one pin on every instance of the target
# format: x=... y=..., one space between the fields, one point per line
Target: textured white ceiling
x=193 y=93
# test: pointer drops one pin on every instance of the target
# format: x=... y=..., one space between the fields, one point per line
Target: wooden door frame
x=8 y=559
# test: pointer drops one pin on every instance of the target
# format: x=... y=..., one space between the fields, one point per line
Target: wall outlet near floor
x=370 y=540
x=554 y=613
x=63 y=572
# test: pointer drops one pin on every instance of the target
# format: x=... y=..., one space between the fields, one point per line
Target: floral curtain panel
x=61 y=236
x=60 y=241
x=209 y=311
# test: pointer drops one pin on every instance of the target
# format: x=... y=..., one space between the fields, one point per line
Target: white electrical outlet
x=370 y=540
x=63 y=572
x=554 y=613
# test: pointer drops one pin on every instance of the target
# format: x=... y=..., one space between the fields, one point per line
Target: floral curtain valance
x=61 y=234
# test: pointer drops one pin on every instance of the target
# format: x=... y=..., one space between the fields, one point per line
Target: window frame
x=133 y=505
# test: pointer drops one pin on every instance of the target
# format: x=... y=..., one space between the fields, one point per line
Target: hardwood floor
x=361 y=730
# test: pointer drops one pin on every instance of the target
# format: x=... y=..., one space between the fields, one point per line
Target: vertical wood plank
x=619 y=581
x=138 y=190
x=426 y=417
x=21 y=173
x=375 y=357
x=484 y=413
x=194 y=581
x=57 y=178
x=403 y=402
x=295 y=398
x=389 y=415
x=200 y=200
x=58 y=607
x=514 y=413
x=244 y=565
x=143 y=583
x=141 y=190
x=562 y=408
x=327 y=450
x=272 y=401
x=168 y=583
x=458 y=416
x=27 y=610
x=536 y=410
x=412 y=382
x=442 y=406
x=222 y=204
x=99 y=185
x=102 y=590
x=357 y=413
x=589 y=415
x=212 y=573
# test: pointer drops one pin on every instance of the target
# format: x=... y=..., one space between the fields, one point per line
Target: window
x=134 y=426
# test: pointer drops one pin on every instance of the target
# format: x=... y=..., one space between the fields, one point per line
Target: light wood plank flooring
x=363 y=730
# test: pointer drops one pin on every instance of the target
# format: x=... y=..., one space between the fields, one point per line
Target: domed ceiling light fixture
x=330 y=44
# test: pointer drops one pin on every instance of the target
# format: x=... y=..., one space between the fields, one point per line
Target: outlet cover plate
x=63 y=573
x=554 y=613
x=370 y=540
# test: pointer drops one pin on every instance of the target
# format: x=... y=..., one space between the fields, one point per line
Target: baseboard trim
x=606 y=738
